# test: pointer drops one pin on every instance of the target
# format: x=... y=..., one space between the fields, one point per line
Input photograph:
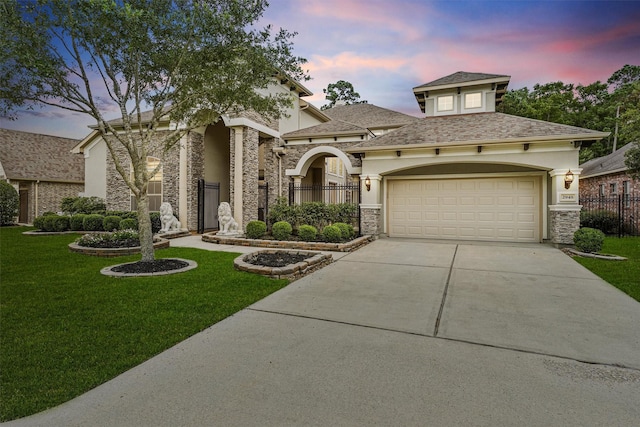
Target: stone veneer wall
x=250 y=175
x=370 y=221
x=563 y=223
x=295 y=152
x=271 y=170
x=195 y=171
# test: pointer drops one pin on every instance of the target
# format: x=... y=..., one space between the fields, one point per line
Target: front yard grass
x=65 y=328
x=624 y=275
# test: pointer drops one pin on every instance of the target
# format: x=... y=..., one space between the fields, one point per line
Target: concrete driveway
x=400 y=332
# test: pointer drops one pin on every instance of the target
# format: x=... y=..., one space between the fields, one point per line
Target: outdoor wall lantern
x=367 y=183
x=568 y=179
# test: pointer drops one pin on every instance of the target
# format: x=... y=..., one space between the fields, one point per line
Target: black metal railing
x=615 y=215
x=263 y=201
x=332 y=194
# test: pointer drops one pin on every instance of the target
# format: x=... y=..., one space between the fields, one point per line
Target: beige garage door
x=502 y=209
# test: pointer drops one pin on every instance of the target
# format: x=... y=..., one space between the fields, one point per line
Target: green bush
x=156 y=224
x=93 y=222
x=129 y=224
x=85 y=205
x=281 y=211
x=111 y=222
x=9 y=203
x=331 y=233
x=308 y=233
x=281 y=230
x=588 y=240
x=38 y=222
x=55 y=223
x=603 y=220
x=76 y=222
x=346 y=230
x=256 y=229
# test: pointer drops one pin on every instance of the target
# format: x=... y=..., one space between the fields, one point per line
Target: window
x=626 y=189
x=473 y=100
x=613 y=188
x=154 y=190
x=602 y=190
x=334 y=166
x=445 y=103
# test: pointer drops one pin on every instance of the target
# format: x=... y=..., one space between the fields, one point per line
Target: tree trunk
x=144 y=229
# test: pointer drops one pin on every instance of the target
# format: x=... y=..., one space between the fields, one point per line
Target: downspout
x=36 y=196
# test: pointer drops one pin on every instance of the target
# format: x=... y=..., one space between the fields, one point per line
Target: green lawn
x=624 y=275
x=65 y=328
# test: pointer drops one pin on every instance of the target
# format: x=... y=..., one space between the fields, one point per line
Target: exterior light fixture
x=568 y=179
x=367 y=183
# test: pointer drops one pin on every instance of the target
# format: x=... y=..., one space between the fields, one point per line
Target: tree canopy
x=189 y=60
x=341 y=91
x=598 y=106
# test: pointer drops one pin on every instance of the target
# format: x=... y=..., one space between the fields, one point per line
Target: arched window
x=154 y=190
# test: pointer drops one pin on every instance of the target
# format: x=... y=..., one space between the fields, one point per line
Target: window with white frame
x=154 y=190
x=334 y=166
x=445 y=103
x=613 y=188
x=626 y=189
x=473 y=100
x=602 y=190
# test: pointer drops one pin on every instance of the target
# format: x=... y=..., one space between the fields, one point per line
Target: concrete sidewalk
x=400 y=332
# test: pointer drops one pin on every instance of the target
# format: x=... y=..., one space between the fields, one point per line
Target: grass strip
x=624 y=275
x=65 y=328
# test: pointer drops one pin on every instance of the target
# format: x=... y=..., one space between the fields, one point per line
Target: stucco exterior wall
x=95 y=170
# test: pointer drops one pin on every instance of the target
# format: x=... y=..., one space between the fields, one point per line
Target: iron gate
x=208 y=201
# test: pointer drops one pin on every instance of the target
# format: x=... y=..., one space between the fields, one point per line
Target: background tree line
x=612 y=107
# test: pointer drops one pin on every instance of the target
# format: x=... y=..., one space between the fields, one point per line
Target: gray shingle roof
x=354 y=118
x=471 y=129
x=32 y=156
x=462 y=77
x=610 y=163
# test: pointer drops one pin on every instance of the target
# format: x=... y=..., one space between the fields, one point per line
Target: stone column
x=250 y=172
x=371 y=205
x=564 y=210
x=297 y=182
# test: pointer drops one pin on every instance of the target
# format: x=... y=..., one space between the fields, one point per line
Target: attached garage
x=496 y=208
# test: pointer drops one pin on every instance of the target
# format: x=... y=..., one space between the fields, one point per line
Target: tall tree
x=631 y=129
x=190 y=60
x=341 y=91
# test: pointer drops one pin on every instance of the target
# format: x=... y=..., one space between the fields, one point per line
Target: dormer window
x=473 y=100
x=445 y=103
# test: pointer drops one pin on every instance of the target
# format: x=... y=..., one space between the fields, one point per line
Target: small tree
x=9 y=202
x=187 y=60
x=341 y=91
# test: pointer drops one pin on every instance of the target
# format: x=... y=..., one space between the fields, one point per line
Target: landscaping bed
x=288 y=244
x=110 y=252
x=278 y=264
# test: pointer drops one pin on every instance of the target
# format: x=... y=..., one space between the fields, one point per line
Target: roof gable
x=32 y=156
x=461 y=78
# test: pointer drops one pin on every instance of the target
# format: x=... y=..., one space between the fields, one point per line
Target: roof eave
x=427 y=88
x=324 y=135
x=609 y=172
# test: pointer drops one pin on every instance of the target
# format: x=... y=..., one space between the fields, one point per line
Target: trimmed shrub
x=331 y=233
x=9 y=203
x=588 y=240
x=346 y=230
x=111 y=222
x=281 y=230
x=156 y=224
x=129 y=224
x=256 y=229
x=38 y=222
x=308 y=233
x=85 y=205
x=93 y=222
x=76 y=222
x=55 y=223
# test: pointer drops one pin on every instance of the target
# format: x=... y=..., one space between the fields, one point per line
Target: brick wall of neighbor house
x=50 y=195
x=590 y=187
x=563 y=224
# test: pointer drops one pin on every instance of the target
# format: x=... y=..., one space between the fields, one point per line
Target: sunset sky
x=387 y=47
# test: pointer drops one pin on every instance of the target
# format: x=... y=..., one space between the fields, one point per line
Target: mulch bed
x=155 y=266
x=278 y=259
x=113 y=244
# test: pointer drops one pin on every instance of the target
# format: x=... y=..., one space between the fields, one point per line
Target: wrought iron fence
x=263 y=201
x=614 y=215
x=332 y=194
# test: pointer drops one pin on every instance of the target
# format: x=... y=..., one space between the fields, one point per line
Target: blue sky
x=387 y=47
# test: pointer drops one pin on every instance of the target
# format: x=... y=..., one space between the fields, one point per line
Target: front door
x=23 y=216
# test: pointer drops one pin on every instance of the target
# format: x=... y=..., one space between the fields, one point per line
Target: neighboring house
x=463 y=172
x=607 y=176
x=42 y=170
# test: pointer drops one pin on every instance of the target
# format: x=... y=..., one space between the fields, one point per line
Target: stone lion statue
x=228 y=225
x=168 y=221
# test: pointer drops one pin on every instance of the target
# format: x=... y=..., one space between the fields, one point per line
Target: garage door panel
x=505 y=209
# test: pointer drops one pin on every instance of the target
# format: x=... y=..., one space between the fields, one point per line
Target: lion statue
x=228 y=225
x=168 y=221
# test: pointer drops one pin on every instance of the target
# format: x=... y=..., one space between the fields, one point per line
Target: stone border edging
x=291 y=271
x=278 y=244
x=107 y=271
x=597 y=256
x=115 y=252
